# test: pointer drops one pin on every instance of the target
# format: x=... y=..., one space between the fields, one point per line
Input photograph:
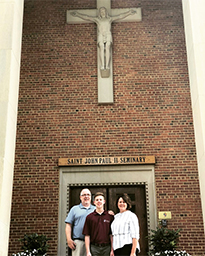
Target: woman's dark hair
x=126 y=199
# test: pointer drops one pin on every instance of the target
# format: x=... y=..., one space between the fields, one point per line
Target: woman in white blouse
x=125 y=229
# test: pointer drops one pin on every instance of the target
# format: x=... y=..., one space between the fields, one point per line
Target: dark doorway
x=137 y=194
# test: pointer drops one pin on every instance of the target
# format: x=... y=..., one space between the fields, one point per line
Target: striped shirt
x=125 y=227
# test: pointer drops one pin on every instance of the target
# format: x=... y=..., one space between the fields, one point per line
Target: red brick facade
x=58 y=114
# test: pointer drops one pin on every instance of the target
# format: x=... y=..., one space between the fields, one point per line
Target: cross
x=103 y=16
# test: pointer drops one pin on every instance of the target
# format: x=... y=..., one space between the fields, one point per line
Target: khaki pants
x=100 y=251
x=80 y=248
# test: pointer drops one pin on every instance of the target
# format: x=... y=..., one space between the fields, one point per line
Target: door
x=137 y=195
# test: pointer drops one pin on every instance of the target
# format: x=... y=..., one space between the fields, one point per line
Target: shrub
x=33 y=244
x=163 y=242
x=163 y=239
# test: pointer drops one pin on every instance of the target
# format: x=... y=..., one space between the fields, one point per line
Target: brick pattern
x=59 y=116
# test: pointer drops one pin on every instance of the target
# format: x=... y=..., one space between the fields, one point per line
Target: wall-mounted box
x=165 y=215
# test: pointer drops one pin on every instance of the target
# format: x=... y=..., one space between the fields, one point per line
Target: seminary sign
x=106 y=160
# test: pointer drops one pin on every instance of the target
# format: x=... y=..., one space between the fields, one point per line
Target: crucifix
x=103 y=17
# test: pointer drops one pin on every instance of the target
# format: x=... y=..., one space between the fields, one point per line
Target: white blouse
x=125 y=227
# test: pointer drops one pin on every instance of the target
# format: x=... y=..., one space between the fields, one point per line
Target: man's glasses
x=86 y=195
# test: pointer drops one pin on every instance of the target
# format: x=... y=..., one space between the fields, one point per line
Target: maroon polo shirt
x=98 y=227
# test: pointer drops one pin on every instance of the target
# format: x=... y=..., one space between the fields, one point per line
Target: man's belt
x=101 y=245
x=79 y=239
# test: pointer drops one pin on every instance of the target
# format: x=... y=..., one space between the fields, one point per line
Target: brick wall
x=59 y=116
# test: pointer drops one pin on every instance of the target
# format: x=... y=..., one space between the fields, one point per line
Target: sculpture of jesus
x=104 y=40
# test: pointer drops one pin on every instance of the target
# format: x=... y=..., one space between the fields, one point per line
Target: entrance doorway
x=110 y=176
x=137 y=194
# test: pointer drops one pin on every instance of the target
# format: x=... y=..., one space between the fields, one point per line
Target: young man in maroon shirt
x=97 y=229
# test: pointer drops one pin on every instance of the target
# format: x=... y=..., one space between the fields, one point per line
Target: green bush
x=163 y=239
x=35 y=242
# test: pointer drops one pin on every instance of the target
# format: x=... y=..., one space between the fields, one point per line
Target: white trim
x=194 y=21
